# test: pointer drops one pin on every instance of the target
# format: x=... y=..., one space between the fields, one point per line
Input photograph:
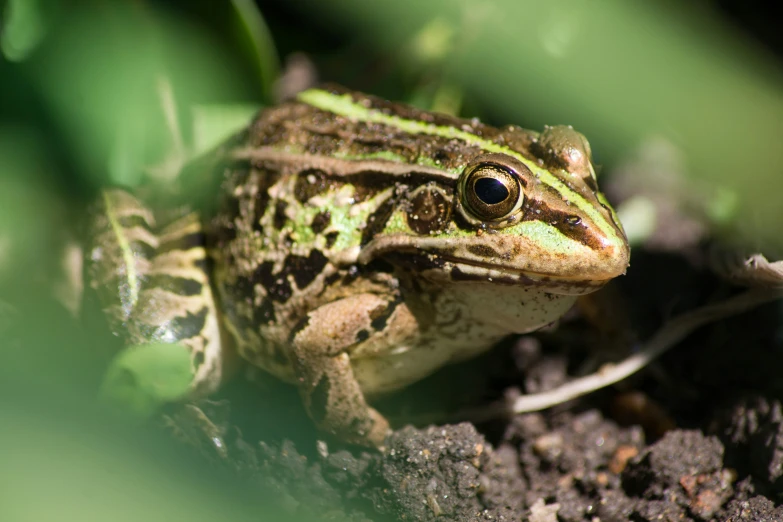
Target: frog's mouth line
x=422 y=256
x=445 y=268
x=466 y=270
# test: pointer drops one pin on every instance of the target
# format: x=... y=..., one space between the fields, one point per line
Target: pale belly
x=470 y=320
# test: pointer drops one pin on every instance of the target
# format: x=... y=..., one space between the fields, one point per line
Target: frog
x=352 y=246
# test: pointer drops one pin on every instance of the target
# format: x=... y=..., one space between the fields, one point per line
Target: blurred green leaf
x=433 y=42
x=252 y=22
x=30 y=214
x=24 y=25
x=213 y=124
x=65 y=461
x=101 y=78
x=142 y=378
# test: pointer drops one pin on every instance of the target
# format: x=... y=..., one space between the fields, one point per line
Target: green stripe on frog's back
x=363 y=110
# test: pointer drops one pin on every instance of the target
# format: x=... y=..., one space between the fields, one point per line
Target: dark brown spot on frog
x=484 y=251
x=230 y=206
x=176 y=285
x=380 y=315
x=304 y=269
x=185 y=327
x=323 y=138
x=263 y=314
x=311 y=182
x=368 y=183
x=279 y=219
x=415 y=261
x=242 y=288
x=303 y=323
x=378 y=266
x=202 y=264
x=321 y=221
x=350 y=275
x=319 y=399
x=223 y=230
x=332 y=279
x=267 y=177
x=429 y=211
x=277 y=286
x=143 y=249
x=442 y=154
x=376 y=221
x=185 y=242
x=331 y=237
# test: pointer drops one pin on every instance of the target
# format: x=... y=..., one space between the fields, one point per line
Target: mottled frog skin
x=356 y=246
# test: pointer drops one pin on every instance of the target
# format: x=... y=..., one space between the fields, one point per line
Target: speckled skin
x=347 y=256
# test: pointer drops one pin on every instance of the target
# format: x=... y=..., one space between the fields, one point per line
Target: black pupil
x=490 y=190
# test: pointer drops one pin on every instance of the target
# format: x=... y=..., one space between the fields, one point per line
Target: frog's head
x=533 y=216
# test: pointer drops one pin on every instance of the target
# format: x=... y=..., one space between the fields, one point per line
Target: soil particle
x=680 y=454
x=686 y=468
x=435 y=473
x=574 y=453
x=614 y=506
x=503 y=485
x=756 y=509
x=753 y=432
x=297 y=482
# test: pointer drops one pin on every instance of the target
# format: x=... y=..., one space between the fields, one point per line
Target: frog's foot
x=332 y=395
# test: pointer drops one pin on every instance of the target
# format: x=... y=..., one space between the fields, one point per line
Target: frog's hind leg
x=152 y=282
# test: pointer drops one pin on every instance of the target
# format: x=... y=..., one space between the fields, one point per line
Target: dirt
x=579 y=465
x=696 y=437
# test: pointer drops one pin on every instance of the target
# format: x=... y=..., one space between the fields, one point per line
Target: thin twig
x=667 y=336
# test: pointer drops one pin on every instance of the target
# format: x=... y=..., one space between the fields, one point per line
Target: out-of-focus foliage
x=141 y=379
x=25 y=23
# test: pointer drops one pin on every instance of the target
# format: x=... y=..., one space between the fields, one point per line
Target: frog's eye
x=490 y=190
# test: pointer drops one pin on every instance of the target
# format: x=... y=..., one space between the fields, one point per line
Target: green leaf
x=144 y=377
x=252 y=23
x=24 y=25
x=213 y=124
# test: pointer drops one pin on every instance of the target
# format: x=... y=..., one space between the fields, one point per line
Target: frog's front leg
x=150 y=276
x=322 y=345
